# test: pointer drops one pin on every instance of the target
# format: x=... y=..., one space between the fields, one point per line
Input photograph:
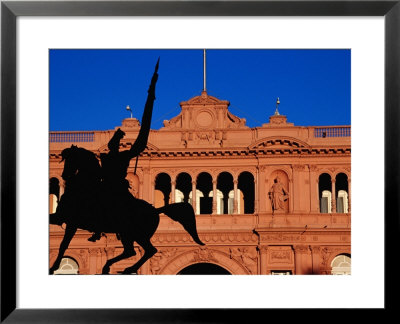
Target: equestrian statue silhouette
x=97 y=198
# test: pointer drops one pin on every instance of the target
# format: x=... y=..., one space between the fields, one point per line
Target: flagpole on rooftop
x=204 y=70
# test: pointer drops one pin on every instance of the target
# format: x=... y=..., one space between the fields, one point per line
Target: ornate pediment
x=202 y=113
x=204 y=99
x=278 y=142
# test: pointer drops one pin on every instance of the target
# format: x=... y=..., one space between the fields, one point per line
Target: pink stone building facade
x=274 y=199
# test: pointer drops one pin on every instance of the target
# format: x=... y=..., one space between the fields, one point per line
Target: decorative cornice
x=281 y=237
x=207 y=238
x=155 y=153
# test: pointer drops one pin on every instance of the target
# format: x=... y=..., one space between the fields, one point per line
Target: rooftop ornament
x=129 y=109
x=277 y=104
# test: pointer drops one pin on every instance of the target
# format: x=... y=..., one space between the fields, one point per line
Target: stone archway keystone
x=203 y=255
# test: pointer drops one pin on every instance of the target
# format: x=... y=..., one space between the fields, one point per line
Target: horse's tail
x=183 y=213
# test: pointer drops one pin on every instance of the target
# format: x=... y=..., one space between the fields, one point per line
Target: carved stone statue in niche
x=278 y=195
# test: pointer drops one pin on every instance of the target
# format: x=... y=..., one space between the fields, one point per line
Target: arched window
x=246 y=186
x=326 y=202
x=204 y=184
x=325 y=193
x=67 y=266
x=162 y=190
x=341 y=265
x=342 y=201
x=225 y=185
x=54 y=194
x=184 y=186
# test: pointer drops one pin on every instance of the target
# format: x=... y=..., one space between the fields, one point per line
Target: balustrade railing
x=334 y=131
x=62 y=137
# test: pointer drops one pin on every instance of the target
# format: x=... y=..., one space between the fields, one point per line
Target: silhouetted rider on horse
x=97 y=199
x=114 y=164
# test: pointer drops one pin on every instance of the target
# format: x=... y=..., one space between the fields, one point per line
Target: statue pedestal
x=279 y=218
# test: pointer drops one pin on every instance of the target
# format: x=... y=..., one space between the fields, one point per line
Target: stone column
x=235 y=197
x=262 y=195
x=291 y=195
x=100 y=261
x=333 y=195
x=316 y=259
x=256 y=191
x=303 y=260
x=92 y=260
x=263 y=259
x=84 y=261
x=173 y=185
x=314 y=192
x=214 y=203
x=194 y=196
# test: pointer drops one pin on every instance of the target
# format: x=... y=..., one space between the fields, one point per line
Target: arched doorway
x=341 y=265
x=67 y=266
x=204 y=269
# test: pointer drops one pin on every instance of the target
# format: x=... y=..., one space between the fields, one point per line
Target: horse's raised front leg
x=128 y=251
x=149 y=251
x=68 y=235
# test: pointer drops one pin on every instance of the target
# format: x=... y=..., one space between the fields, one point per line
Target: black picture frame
x=10 y=10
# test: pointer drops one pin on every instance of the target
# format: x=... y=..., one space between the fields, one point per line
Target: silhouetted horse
x=85 y=205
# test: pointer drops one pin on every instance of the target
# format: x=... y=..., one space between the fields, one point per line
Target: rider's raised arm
x=141 y=141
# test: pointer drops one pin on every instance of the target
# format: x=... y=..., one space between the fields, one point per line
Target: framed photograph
x=342 y=224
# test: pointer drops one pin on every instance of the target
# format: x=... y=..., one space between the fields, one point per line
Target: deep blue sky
x=90 y=89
